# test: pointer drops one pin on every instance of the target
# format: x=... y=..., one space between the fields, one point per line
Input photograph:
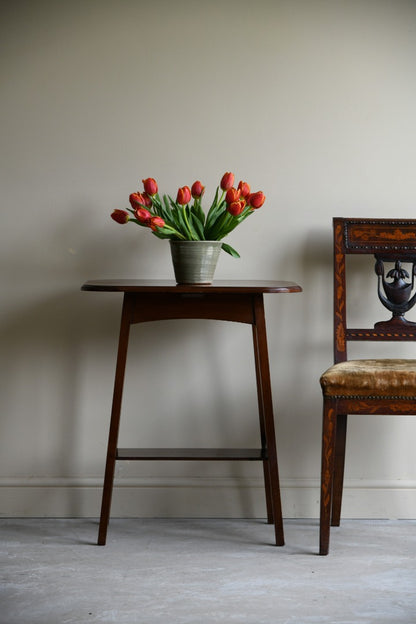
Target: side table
x=236 y=301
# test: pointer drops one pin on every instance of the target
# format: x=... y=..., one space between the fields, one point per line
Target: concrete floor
x=204 y=571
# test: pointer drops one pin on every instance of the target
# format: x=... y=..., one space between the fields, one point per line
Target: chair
x=368 y=386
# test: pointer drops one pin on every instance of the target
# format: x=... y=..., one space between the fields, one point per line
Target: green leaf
x=162 y=235
x=188 y=219
x=157 y=207
x=221 y=226
x=180 y=223
x=213 y=208
x=173 y=205
x=230 y=250
x=198 y=212
x=176 y=217
x=196 y=226
x=164 y=211
x=213 y=215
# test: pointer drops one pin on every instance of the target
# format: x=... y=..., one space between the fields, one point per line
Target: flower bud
x=256 y=200
x=232 y=195
x=150 y=186
x=244 y=188
x=184 y=195
x=120 y=216
x=236 y=207
x=143 y=215
x=227 y=181
x=197 y=190
x=156 y=222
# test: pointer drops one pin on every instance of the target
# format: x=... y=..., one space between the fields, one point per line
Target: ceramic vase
x=194 y=262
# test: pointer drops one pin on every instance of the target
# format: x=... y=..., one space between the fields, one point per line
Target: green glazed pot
x=194 y=262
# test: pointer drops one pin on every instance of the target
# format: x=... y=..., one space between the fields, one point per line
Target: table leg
x=266 y=471
x=115 y=421
x=266 y=415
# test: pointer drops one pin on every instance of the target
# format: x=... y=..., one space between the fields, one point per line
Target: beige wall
x=312 y=101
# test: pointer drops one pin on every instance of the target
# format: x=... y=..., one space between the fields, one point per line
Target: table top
x=170 y=286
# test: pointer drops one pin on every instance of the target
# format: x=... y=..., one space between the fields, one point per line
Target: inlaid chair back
x=366 y=386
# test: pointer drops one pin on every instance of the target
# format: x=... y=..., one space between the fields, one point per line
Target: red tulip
x=184 y=195
x=232 y=195
x=147 y=199
x=143 y=215
x=150 y=186
x=156 y=222
x=244 y=188
x=137 y=200
x=227 y=181
x=197 y=190
x=120 y=216
x=256 y=200
x=236 y=207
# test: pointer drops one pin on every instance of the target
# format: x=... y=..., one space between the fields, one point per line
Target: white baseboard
x=199 y=497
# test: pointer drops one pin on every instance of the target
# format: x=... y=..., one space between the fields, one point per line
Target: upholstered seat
x=370 y=378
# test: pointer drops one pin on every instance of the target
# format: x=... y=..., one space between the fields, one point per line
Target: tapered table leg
x=115 y=421
x=266 y=471
x=264 y=390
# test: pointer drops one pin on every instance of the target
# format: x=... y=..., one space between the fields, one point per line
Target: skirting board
x=199 y=497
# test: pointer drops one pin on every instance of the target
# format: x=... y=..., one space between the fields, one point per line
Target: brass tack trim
x=364 y=398
x=380 y=334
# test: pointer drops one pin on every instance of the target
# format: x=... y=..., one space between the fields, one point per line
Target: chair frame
x=388 y=240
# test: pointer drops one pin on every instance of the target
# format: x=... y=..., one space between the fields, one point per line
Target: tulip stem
x=187 y=222
x=178 y=234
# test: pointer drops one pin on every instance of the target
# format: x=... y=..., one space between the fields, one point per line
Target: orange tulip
x=227 y=181
x=256 y=200
x=236 y=207
x=156 y=222
x=244 y=188
x=184 y=195
x=232 y=195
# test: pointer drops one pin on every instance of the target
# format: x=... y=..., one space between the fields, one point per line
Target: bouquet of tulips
x=184 y=219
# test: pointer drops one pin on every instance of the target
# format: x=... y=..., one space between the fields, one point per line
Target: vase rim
x=210 y=242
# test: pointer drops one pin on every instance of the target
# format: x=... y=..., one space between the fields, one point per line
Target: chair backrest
x=390 y=241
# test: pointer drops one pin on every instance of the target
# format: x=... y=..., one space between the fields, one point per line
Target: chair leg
x=327 y=473
x=341 y=435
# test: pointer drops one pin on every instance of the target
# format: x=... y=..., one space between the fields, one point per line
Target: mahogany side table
x=236 y=301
